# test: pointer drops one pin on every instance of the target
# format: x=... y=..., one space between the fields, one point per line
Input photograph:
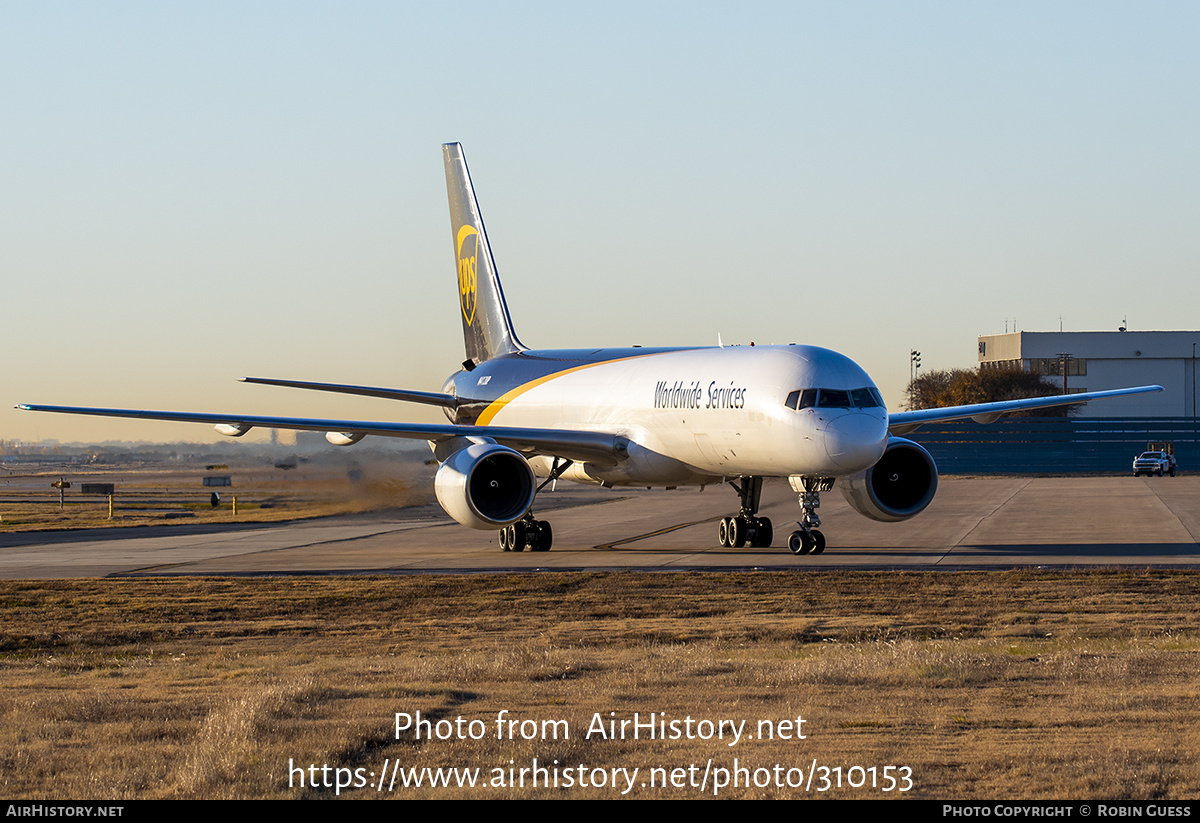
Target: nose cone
x=855 y=441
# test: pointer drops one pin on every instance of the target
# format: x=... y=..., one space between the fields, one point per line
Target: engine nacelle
x=896 y=488
x=344 y=438
x=485 y=486
x=232 y=429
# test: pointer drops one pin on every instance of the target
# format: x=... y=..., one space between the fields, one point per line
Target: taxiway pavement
x=974 y=522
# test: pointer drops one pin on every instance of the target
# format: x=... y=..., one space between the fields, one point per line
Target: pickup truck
x=1154 y=463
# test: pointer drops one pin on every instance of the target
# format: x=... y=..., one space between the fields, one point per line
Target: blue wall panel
x=1055 y=444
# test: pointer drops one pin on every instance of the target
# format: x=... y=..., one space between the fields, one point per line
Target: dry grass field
x=1004 y=685
x=160 y=495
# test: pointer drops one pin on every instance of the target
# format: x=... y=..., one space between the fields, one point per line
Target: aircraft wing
x=580 y=446
x=905 y=422
x=432 y=398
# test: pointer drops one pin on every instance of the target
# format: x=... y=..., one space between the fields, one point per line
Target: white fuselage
x=696 y=415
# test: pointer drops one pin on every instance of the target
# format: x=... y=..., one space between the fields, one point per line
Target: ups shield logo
x=468 y=272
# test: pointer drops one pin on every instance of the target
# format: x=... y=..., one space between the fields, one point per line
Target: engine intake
x=896 y=488
x=485 y=486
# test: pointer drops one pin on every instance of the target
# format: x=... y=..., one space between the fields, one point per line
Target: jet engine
x=898 y=487
x=485 y=486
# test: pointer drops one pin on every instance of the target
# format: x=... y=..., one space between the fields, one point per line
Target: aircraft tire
x=800 y=543
x=723 y=532
x=504 y=544
x=737 y=532
x=517 y=536
x=762 y=534
x=542 y=537
x=818 y=542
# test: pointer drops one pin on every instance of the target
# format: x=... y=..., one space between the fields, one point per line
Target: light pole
x=914 y=366
x=1065 y=358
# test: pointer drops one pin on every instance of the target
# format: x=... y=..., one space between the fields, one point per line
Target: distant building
x=1099 y=360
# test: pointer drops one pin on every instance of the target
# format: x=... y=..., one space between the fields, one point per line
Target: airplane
x=665 y=417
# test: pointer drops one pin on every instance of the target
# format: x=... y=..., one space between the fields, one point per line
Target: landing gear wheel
x=733 y=532
x=818 y=542
x=800 y=542
x=505 y=546
x=517 y=536
x=737 y=532
x=541 y=538
x=760 y=534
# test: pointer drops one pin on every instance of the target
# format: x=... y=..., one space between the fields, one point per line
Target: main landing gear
x=808 y=539
x=746 y=527
x=535 y=535
x=528 y=532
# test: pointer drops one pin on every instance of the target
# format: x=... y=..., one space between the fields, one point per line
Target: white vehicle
x=1155 y=462
x=639 y=417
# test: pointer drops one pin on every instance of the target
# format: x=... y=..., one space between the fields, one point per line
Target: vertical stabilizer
x=487 y=328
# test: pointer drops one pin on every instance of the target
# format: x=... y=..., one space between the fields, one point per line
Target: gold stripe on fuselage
x=494 y=408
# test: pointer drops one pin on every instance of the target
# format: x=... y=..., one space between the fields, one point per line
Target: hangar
x=1097 y=360
x=1099 y=437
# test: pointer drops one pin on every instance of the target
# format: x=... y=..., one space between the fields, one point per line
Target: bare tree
x=959 y=387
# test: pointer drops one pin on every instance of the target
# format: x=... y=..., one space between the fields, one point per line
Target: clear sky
x=192 y=192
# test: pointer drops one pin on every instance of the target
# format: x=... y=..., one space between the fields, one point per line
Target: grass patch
x=158 y=497
x=177 y=688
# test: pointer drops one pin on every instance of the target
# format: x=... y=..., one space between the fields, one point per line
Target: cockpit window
x=867 y=397
x=834 y=399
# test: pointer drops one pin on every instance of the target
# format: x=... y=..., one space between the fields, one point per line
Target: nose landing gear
x=808 y=539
